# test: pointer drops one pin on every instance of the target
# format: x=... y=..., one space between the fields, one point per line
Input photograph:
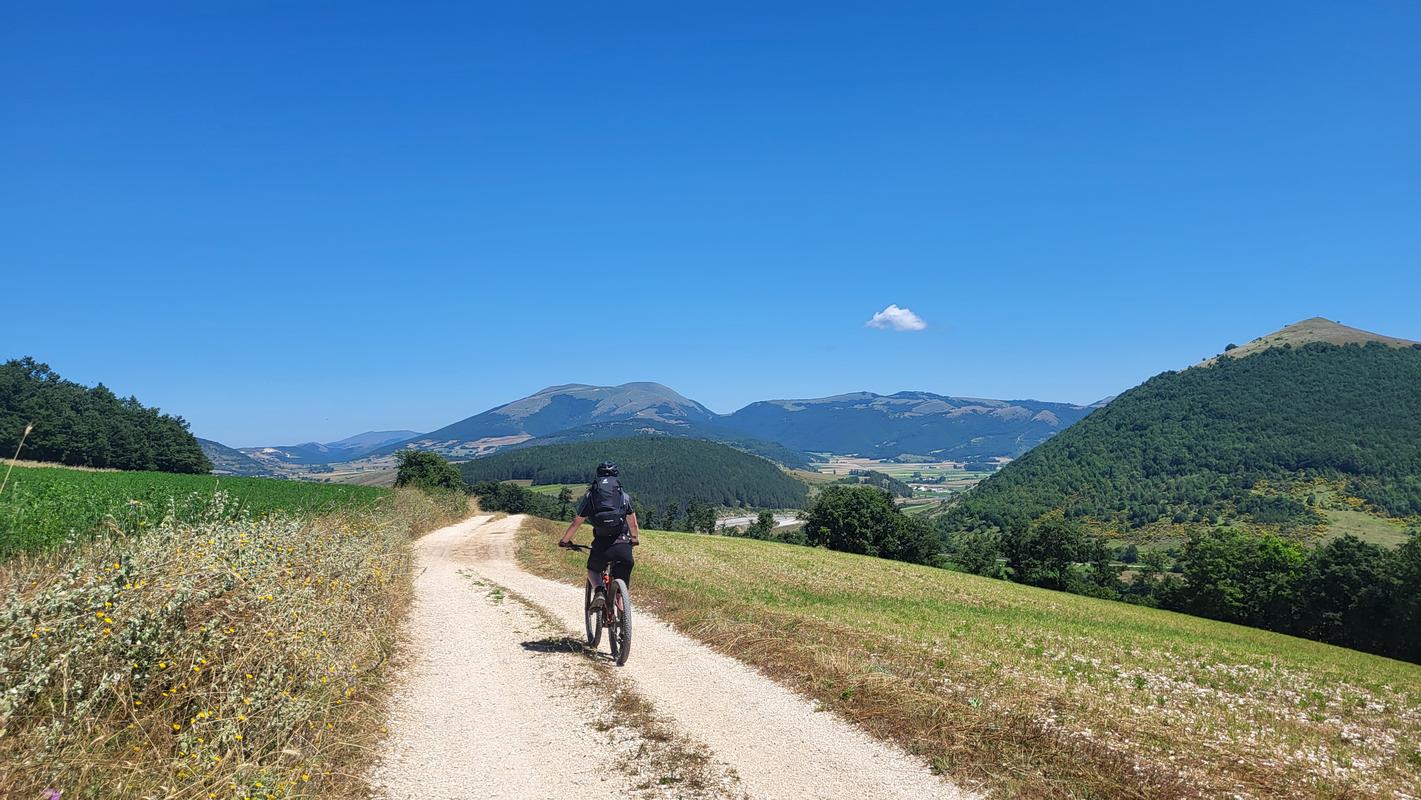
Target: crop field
x=1039 y=694
x=45 y=506
x=929 y=479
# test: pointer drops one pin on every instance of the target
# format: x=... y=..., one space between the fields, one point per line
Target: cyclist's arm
x=571 y=529
x=636 y=529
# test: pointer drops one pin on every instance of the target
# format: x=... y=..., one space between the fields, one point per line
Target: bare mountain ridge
x=1313 y=329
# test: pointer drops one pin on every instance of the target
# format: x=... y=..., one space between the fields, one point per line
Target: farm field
x=955 y=478
x=1034 y=693
x=45 y=506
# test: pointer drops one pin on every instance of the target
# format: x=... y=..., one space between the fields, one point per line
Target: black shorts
x=607 y=548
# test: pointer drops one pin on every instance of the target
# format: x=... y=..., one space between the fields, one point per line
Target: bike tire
x=621 y=638
x=592 y=617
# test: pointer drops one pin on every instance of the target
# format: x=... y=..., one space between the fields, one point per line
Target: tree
x=670 y=517
x=428 y=471
x=564 y=502
x=1346 y=594
x=977 y=552
x=1243 y=577
x=863 y=519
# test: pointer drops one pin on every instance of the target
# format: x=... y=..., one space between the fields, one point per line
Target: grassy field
x=45 y=506
x=1033 y=693
x=1364 y=526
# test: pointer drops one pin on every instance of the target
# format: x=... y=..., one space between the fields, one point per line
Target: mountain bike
x=615 y=615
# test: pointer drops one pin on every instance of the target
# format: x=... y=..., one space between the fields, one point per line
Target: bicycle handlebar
x=582 y=548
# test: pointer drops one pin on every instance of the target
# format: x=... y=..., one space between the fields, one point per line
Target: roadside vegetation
x=1034 y=693
x=218 y=652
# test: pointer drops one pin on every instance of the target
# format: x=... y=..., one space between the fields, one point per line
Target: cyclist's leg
x=621 y=554
x=596 y=562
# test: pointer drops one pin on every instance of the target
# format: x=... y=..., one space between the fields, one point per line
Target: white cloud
x=898 y=319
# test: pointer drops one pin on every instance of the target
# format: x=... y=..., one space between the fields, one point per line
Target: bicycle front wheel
x=593 y=618
x=621 y=638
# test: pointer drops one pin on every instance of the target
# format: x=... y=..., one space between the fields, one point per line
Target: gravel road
x=481 y=713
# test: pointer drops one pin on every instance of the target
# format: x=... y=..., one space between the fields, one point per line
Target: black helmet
x=606 y=468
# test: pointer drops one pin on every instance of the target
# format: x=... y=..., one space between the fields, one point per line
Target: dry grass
x=203 y=659
x=1039 y=694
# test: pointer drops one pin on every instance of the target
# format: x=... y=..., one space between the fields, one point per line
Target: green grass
x=1364 y=526
x=1033 y=693
x=45 y=506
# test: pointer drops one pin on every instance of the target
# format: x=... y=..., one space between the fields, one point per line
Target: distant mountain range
x=916 y=423
x=313 y=453
x=864 y=423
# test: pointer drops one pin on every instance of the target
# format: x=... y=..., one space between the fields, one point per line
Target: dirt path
x=485 y=711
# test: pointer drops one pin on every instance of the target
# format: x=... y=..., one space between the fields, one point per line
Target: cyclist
x=614 y=529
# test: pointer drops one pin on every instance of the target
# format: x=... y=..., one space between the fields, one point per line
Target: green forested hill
x=1193 y=446
x=659 y=471
x=90 y=427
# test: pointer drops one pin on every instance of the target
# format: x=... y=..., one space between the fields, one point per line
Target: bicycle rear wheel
x=593 y=618
x=621 y=638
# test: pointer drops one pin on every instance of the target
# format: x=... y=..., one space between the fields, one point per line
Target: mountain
x=556 y=409
x=1277 y=435
x=1316 y=329
x=231 y=461
x=347 y=449
x=907 y=422
x=657 y=470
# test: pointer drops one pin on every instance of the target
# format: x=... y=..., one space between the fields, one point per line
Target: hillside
x=1243 y=438
x=713 y=432
x=231 y=461
x=89 y=426
x=1033 y=693
x=885 y=426
x=1315 y=329
x=658 y=471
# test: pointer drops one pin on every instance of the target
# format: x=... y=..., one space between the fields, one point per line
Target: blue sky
x=293 y=221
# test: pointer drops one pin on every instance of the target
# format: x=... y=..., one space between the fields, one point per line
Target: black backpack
x=604 y=507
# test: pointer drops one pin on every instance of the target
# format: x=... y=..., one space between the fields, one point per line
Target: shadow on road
x=565 y=644
x=555 y=644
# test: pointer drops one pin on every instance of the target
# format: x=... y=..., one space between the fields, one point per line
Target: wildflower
x=50 y=794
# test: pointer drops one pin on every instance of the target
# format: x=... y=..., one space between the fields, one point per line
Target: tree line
x=89 y=426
